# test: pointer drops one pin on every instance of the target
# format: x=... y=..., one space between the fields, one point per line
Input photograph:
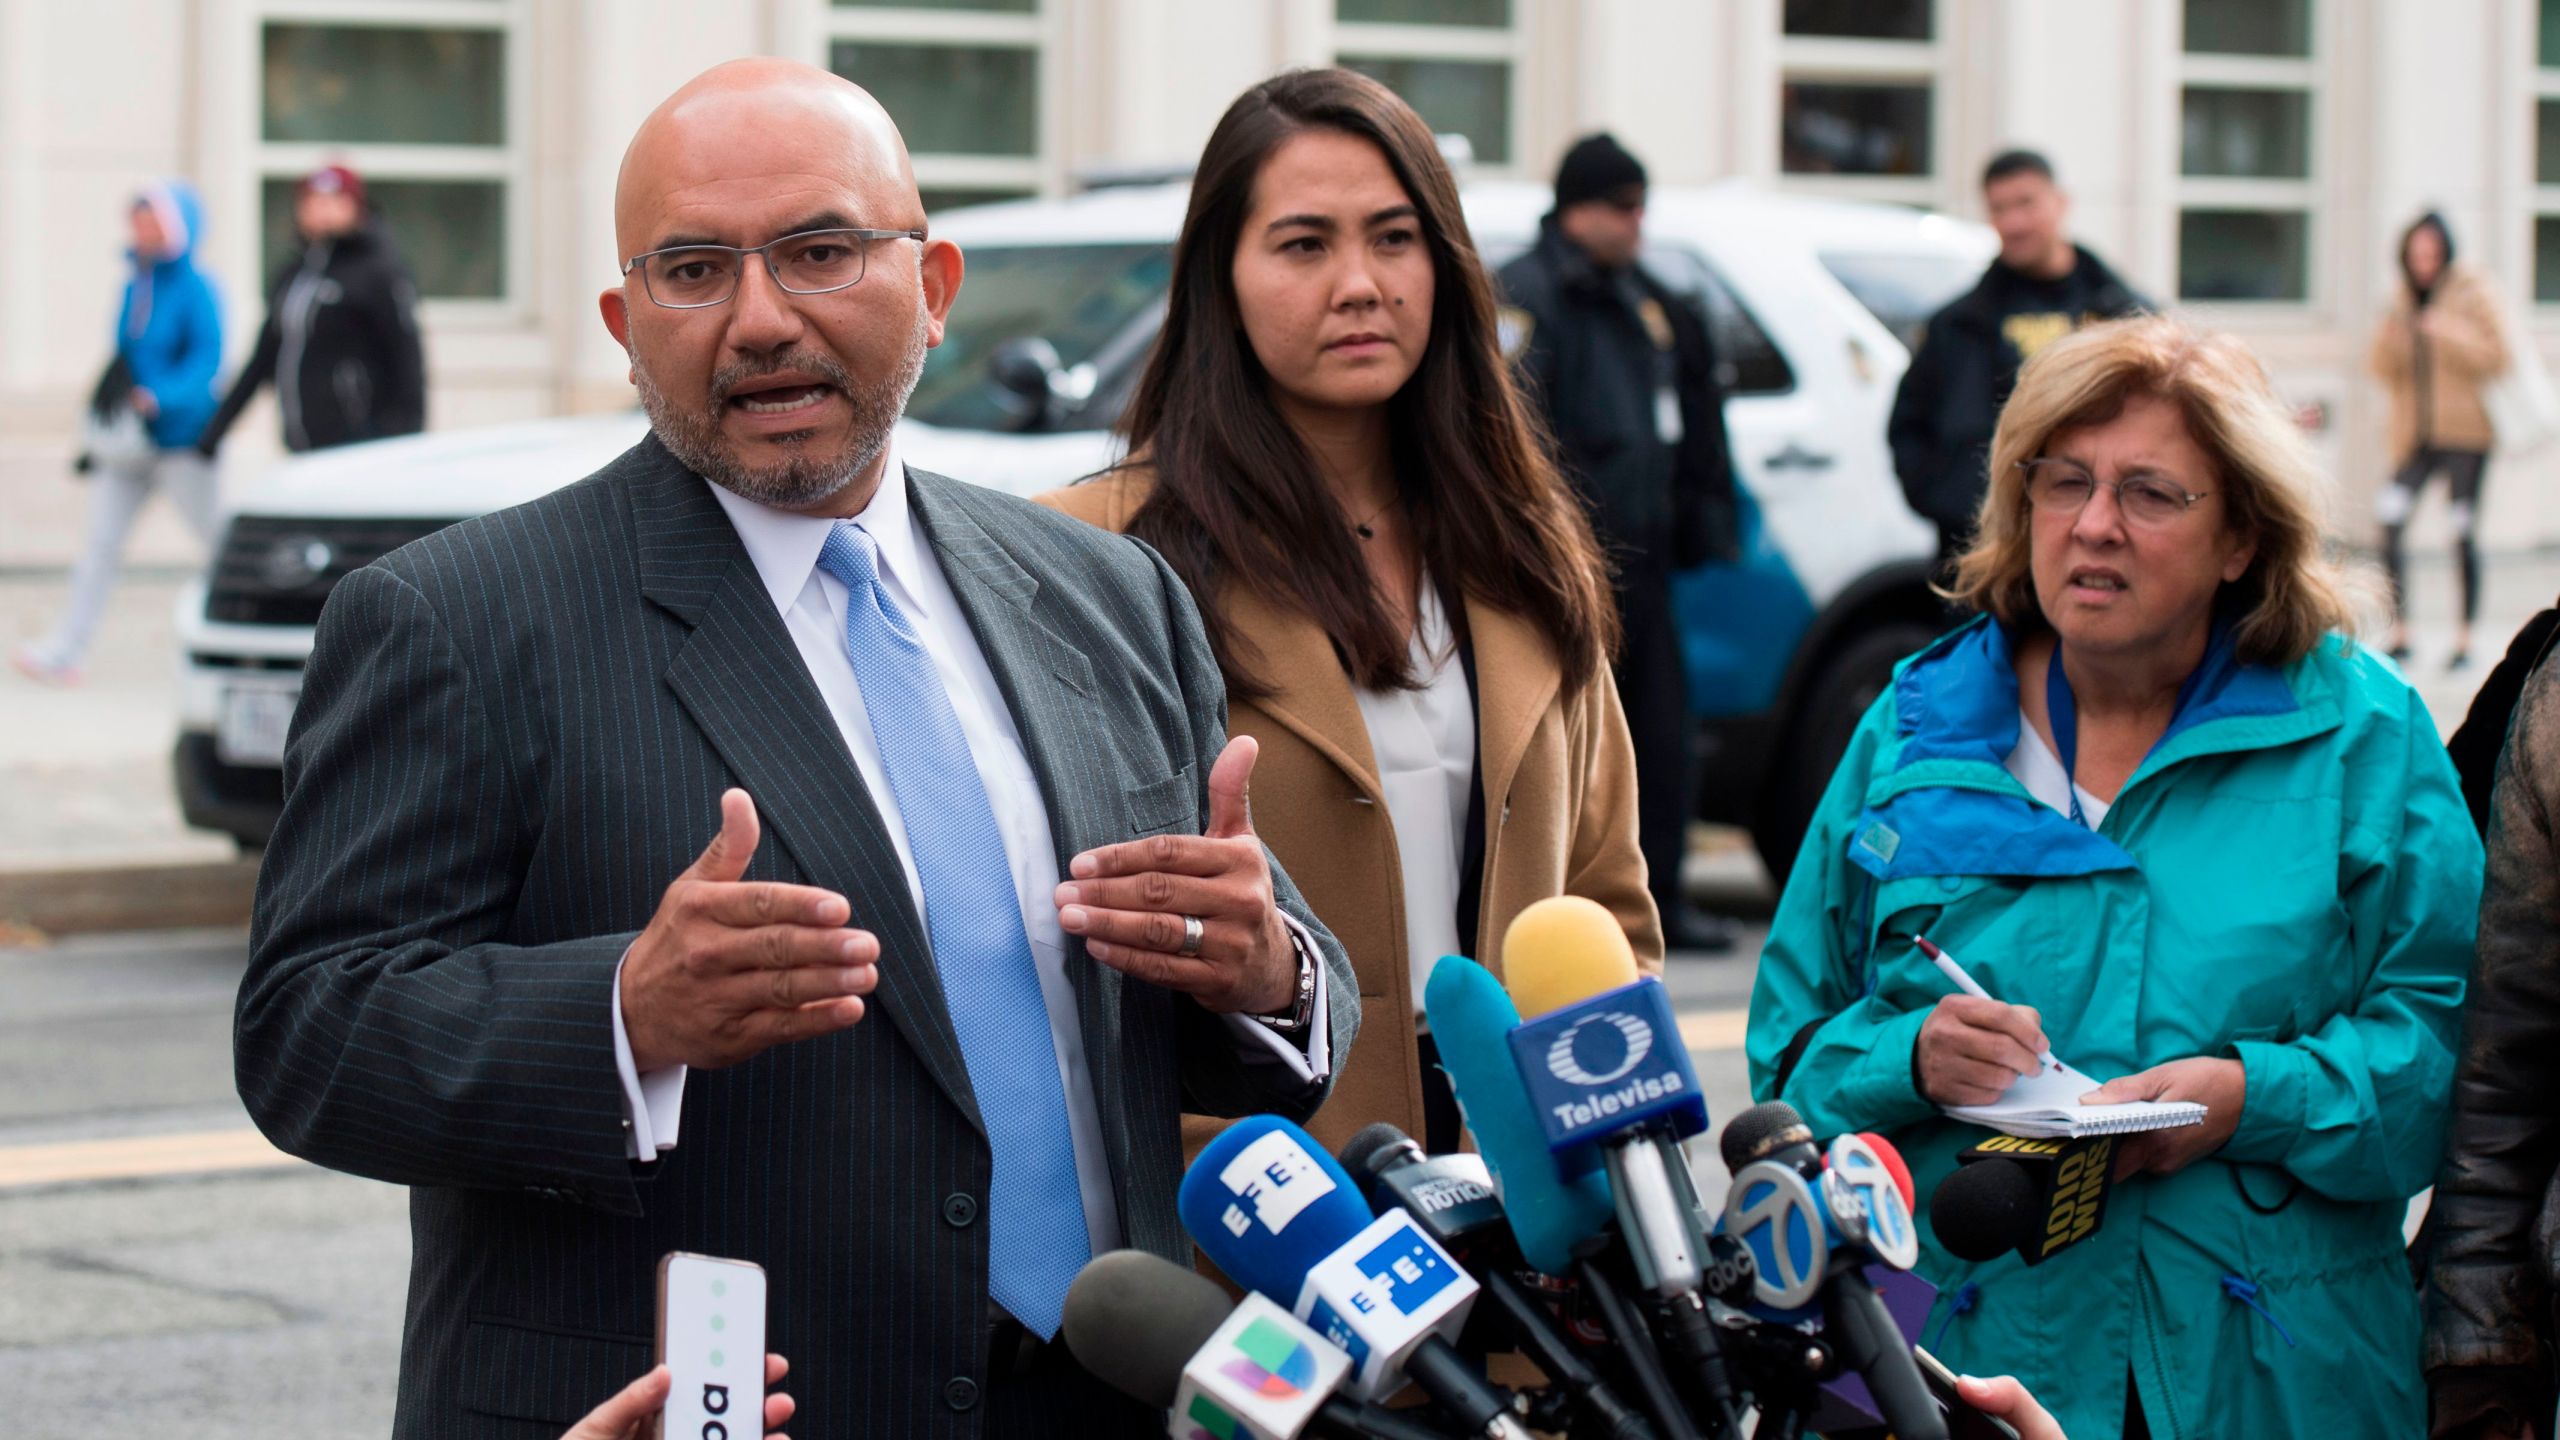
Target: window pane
x=951 y=99
x=2249 y=27
x=1079 y=298
x=1854 y=129
x=2546 y=148
x=1748 y=362
x=1902 y=288
x=398 y=85
x=2546 y=259
x=2244 y=255
x=2548 y=44
x=1490 y=14
x=1860 y=19
x=1018 y=7
x=2262 y=134
x=1465 y=97
x=940 y=198
x=452 y=232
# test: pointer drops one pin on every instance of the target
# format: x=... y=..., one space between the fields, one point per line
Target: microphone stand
x=1653 y=1387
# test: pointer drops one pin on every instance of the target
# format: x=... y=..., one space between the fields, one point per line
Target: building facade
x=2254 y=160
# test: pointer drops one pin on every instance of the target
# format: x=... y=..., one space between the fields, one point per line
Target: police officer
x=2041 y=288
x=1622 y=367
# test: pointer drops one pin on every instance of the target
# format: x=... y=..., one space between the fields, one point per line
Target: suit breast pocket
x=1166 y=804
x=521 y=1370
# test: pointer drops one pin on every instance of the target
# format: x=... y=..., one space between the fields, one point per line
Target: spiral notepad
x=2047 y=1106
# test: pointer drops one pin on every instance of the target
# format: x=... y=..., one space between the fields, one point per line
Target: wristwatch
x=1292 y=1024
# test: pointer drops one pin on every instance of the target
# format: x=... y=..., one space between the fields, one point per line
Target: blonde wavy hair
x=2294 y=592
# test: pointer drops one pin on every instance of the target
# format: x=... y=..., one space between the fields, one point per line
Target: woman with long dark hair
x=1407 y=603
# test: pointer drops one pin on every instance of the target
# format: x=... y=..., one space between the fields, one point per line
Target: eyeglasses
x=2059 y=487
x=813 y=262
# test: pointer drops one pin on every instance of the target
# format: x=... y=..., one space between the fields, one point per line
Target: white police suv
x=1811 y=304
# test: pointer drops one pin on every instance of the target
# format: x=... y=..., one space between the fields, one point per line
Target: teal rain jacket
x=2290 y=879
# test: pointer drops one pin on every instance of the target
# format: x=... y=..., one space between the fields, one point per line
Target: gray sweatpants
x=117 y=495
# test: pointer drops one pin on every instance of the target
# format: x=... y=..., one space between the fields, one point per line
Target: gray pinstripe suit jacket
x=513 y=735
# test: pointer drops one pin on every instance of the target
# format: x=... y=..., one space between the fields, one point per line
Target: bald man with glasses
x=764 y=849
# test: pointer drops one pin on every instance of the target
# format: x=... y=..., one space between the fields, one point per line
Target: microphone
x=1611 y=1084
x=1472 y=1018
x=1812 y=1221
x=2038 y=1197
x=1451 y=1197
x=1167 y=1337
x=1279 y=1215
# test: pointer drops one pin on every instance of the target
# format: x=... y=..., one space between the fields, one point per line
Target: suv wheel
x=1851 y=678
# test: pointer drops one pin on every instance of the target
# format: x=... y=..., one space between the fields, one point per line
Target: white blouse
x=2040 y=770
x=1425 y=745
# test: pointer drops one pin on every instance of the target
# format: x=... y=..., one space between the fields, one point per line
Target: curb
x=129 y=897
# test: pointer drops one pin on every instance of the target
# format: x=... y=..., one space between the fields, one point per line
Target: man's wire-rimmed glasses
x=813 y=262
x=2062 y=487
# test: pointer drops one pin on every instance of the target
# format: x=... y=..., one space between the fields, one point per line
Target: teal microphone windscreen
x=1471 y=1020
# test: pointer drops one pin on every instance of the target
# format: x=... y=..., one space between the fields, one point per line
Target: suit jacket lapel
x=1047 y=683
x=1516 y=680
x=742 y=680
x=1312 y=698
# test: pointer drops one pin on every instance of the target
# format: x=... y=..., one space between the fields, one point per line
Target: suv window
x=1748 y=362
x=1080 y=298
x=1902 y=288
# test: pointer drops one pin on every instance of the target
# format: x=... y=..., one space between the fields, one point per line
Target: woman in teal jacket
x=2206 y=849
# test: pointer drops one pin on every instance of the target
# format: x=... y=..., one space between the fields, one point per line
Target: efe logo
x=1278 y=1177
x=1597 y=1049
x=1410 y=1268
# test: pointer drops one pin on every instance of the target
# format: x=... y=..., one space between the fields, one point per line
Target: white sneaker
x=34 y=663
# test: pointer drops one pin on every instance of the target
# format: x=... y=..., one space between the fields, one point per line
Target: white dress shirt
x=1425 y=744
x=784 y=548
x=2035 y=766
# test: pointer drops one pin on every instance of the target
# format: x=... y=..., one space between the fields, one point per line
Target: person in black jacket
x=1622 y=367
x=341 y=338
x=2041 y=288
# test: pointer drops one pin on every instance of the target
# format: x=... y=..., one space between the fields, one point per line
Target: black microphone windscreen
x=1760 y=1130
x=1375 y=1146
x=1136 y=1319
x=1985 y=1210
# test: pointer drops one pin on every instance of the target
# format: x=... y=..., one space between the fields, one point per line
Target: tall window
x=965 y=79
x=2247 y=150
x=1859 y=97
x=419 y=97
x=2546 y=156
x=1456 y=62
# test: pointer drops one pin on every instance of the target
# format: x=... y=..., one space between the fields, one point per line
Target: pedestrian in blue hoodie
x=168 y=351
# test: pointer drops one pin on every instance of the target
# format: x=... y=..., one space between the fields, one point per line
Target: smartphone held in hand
x=711 y=1339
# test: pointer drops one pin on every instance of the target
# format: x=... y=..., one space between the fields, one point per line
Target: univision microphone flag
x=1262 y=1375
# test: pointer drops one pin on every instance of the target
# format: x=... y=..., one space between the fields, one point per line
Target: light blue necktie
x=1036 y=1237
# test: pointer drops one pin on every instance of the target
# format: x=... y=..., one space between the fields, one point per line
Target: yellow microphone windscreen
x=1561 y=950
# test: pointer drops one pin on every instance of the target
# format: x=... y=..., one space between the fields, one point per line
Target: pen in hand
x=1947 y=966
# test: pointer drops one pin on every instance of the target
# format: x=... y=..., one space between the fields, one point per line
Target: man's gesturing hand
x=729 y=967
x=1128 y=901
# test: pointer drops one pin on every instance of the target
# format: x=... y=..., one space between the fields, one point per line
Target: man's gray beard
x=804 y=479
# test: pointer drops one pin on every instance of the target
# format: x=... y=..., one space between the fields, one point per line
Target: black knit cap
x=1597 y=168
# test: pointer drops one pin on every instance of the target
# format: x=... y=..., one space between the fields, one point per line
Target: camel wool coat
x=1559 y=806
x=2435 y=390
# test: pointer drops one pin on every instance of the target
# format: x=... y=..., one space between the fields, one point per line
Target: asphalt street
x=164 y=1272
